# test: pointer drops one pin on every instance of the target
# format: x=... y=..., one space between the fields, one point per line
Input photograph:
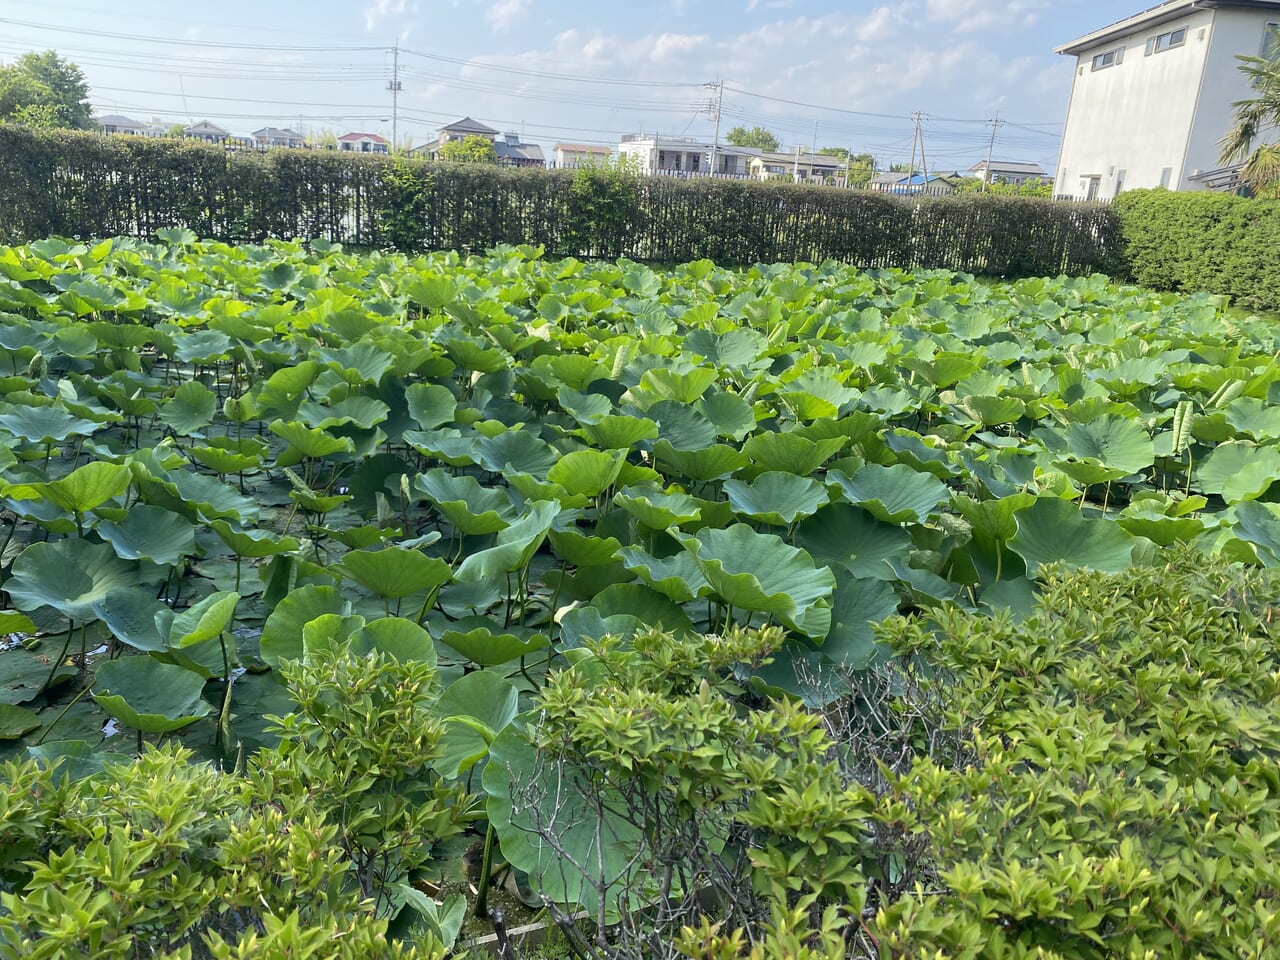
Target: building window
x=1165 y=176
x=1095 y=184
x=1166 y=41
x=1270 y=42
x=1119 y=182
x=1109 y=59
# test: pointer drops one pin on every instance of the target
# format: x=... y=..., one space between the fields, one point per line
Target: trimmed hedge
x=71 y=184
x=1203 y=241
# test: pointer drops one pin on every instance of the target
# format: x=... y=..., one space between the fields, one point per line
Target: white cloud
x=503 y=13
x=381 y=10
x=970 y=15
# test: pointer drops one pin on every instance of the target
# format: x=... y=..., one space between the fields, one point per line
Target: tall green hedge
x=88 y=185
x=1203 y=241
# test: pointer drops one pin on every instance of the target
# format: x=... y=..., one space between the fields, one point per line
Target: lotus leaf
x=149 y=696
x=67 y=575
x=23 y=675
x=394 y=572
x=790 y=452
x=1052 y=530
x=472 y=509
x=150 y=533
x=777 y=498
x=894 y=494
x=586 y=472
x=514 y=547
x=17 y=722
x=253 y=544
x=190 y=409
x=204 y=621
x=282 y=633
x=308 y=442
x=89 y=486
x=430 y=404
x=477 y=707
x=677 y=577
x=712 y=463
x=759 y=572
x=45 y=424
x=487 y=642
x=1239 y=470
x=619 y=432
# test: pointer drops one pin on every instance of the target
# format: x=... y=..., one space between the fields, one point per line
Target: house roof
x=518 y=151
x=581 y=148
x=467 y=125
x=209 y=127
x=275 y=133
x=1153 y=17
x=808 y=159
x=118 y=120
x=1010 y=166
x=352 y=137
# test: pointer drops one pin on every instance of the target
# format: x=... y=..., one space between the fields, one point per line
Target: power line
x=174 y=41
x=545 y=75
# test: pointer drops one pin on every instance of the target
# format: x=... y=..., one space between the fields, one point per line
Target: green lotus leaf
x=681 y=426
x=448 y=446
x=1053 y=530
x=531 y=488
x=1238 y=470
x=586 y=472
x=514 y=546
x=1089 y=471
x=23 y=674
x=359 y=363
x=1115 y=441
x=470 y=355
x=150 y=533
x=517 y=451
x=45 y=424
x=225 y=455
x=586 y=408
x=1162 y=529
x=213 y=499
x=395 y=636
x=328 y=631
x=777 y=498
x=67 y=575
x=309 y=442
x=895 y=494
x=13 y=622
x=736 y=348
x=684 y=388
x=430 y=404
x=658 y=509
x=991 y=411
x=89 y=486
x=712 y=463
x=604 y=843
x=394 y=572
x=472 y=508
x=1259 y=524
x=790 y=452
x=17 y=722
x=203 y=621
x=647 y=605
x=433 y=291
x=678 y=577
x=147 y=695
x=253 y=543
x=282 y=633
x=582 y=550
x=619 y=432
x=477 y=707
x=856 y=604
x=1254 y=417
x=759 y=572
x=75 y=759
x=190 y=409
x=728 y=413
x=134 y=618
x=487 y=642
x=364 y=413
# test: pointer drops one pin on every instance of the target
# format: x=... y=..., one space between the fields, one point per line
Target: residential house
x=801 y=167
x=206 y=131
x=1008 y=171
x=915 y=184
x=1152 y=94
x=579 y=154
x=686 y=156
x=115 y=123
x=458 y=130
x=513 y=153
x=275 y=137
x=364 y=143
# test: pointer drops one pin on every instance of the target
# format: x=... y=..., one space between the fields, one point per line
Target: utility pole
x=795 y=171
x=718 y=87
x=395 y=86
x=924 y=164
x=991 y=146
x=915 y=137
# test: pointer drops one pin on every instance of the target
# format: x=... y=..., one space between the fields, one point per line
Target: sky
x=818 y=73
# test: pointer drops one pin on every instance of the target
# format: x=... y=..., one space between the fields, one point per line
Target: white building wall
x=1128 y=123
x=1236 y=31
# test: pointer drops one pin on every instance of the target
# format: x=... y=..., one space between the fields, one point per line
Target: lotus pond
x=214 y=459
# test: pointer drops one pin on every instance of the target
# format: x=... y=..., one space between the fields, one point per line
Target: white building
x=686 y=156
x=1152 y=94
x=1008 y=171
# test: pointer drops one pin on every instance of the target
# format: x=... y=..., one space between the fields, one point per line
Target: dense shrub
x=59 y=183
x=1203 y=241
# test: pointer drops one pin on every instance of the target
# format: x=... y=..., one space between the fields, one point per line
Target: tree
x=757 y=137
x=899 y=168
x=472 y=149
x=841 y=152
x=1261 y=163
x=39 y=80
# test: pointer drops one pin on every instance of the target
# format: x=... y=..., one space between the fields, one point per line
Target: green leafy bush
x=1203 y=241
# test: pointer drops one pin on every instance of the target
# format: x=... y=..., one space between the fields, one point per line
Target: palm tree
x=1252 y=118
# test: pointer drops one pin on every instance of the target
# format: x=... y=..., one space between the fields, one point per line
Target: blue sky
x=836 y=74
